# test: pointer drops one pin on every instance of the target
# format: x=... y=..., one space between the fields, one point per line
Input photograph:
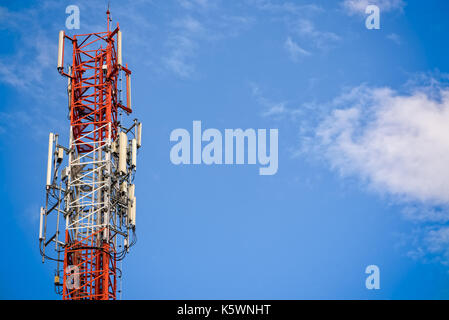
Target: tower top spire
x=108 y=13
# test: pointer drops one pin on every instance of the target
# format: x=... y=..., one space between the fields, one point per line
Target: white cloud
x=294 y=50
x=397 y=143
x=358 y=6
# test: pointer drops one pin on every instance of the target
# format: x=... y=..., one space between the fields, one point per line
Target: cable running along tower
x=89 y=219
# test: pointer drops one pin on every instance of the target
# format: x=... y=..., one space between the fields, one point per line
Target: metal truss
x=94 y=193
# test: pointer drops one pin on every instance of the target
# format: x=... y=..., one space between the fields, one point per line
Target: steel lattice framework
x=95 y=189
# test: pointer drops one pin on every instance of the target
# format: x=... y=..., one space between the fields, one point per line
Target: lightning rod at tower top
x=88 y=223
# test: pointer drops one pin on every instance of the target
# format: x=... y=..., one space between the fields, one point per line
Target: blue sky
x=363 y=146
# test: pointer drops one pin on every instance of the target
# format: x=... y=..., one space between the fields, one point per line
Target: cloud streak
x=201 y=22
x=294 y=50
x=273 y=109
x=300 y=21
x=353 y=7
x=305 y=29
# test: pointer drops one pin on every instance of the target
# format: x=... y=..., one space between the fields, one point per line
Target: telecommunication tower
x=89 y=220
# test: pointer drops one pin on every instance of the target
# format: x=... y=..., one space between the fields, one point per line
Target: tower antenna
x=88 y=222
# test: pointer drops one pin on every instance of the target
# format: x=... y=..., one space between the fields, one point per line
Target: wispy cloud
x=30 y=70
x=294 y=50
x=300 y=20
x=305 y=28
x=352 y=7
x=274 y=109
x=182 y=48
x=200 y=23
x=27 y=68
x=277 y=109
x=285 y=7
x=197 y=4
x=395 y=38
x=437 y=243
x=189 y=25
x=428 y=244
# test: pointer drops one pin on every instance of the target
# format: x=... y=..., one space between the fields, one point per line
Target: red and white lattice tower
x=92 y=199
